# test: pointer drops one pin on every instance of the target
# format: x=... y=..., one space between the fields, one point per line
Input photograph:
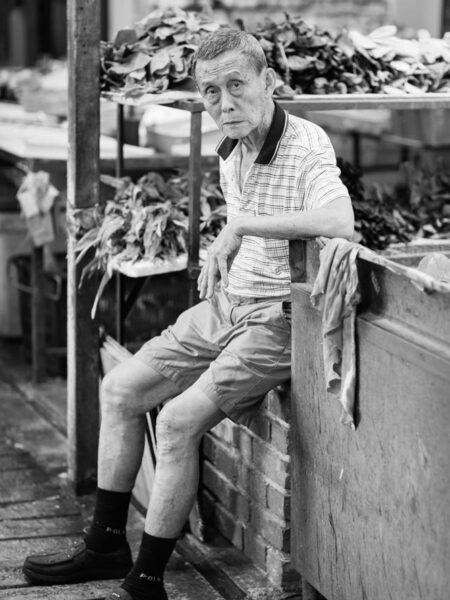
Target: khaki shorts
x=234 y=349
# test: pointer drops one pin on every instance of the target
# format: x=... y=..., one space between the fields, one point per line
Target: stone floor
x=39 y=513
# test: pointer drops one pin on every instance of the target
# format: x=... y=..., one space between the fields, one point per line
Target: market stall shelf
x=303 y=101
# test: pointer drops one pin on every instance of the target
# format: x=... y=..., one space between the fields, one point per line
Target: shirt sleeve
x=321 y=179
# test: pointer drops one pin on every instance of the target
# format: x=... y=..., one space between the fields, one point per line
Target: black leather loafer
x=77 y=564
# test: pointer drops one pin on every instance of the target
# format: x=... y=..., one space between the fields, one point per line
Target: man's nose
x=227 y=101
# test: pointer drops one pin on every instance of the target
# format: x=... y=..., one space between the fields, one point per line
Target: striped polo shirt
x=295 y=170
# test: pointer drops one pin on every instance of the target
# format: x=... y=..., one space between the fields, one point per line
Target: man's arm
x=327 y=211
x=333 y=220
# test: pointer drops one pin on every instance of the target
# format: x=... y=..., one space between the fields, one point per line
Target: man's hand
x=220 y=257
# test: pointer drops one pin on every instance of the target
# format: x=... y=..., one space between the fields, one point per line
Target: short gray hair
x=226 y=39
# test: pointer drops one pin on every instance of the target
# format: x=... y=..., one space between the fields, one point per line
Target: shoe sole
x=88 y=575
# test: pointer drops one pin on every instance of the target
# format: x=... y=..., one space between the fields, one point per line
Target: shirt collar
x=269 y=148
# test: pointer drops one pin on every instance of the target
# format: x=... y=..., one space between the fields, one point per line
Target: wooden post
x=83 y=36
x=38 y=316
x=30 y=11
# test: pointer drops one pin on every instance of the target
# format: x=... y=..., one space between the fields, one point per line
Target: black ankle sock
x=145 y=580
x=108 y=527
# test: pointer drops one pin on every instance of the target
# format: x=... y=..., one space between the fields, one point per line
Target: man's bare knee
x=116 y=393
x=176 y=431
x=182 y=422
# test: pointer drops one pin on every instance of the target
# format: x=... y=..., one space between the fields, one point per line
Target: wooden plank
x=11 y=577
x=6 y=446
x=15 y=461
x=317 y=101
x=182 y=582
x=94 y=590
x=52 y=506
x=82 y=191
x=27 y=492
x=356 y=535
x=185 y=582
x=22 y=476
x=49 y=399
x=360 y=101
x=38 y=528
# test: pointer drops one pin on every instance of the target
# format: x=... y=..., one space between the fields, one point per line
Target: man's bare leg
x=180 y=426
x=128 y=392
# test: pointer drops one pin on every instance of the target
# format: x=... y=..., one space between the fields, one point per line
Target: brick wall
x=245 y=489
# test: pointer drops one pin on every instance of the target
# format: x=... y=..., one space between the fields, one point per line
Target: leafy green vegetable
x=418 y=205
x=155 y=54
x=146 y=220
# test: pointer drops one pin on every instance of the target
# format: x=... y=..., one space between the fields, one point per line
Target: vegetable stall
x=316 y=71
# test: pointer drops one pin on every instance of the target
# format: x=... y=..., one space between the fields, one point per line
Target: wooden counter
x=370 y=508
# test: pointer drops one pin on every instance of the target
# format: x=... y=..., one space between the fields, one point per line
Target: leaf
x=83 y=245
x=402 y=66
x=125 y=36
x=160 y=62
x=162 y=33
x=351 y=78
x=148 y=23
x=133 y=62
x=192 y=23
x=138 y=75
x=299 y=63
x=208 y=26
x=383 y=32
x=106 y=277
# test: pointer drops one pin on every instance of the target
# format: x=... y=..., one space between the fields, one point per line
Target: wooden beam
x=30 y=11
x=38 y=316
x=83 y=36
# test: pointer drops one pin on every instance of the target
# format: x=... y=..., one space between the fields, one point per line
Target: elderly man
x=280 y=181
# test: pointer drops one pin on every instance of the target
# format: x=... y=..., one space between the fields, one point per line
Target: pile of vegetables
x=312 y=61
x=149 y=219
x=155 y=54
x=417 y=206
x=146 y=220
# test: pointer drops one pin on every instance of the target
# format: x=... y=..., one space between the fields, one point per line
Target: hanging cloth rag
x=336 y=293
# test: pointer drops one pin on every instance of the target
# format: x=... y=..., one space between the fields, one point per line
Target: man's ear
x=271 y=80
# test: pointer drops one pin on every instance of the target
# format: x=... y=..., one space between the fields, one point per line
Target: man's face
x=235 y=95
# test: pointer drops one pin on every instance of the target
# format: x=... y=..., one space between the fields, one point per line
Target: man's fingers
x=216 y=266
x=212 y=278
x=223 y=269
x=201 y=283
